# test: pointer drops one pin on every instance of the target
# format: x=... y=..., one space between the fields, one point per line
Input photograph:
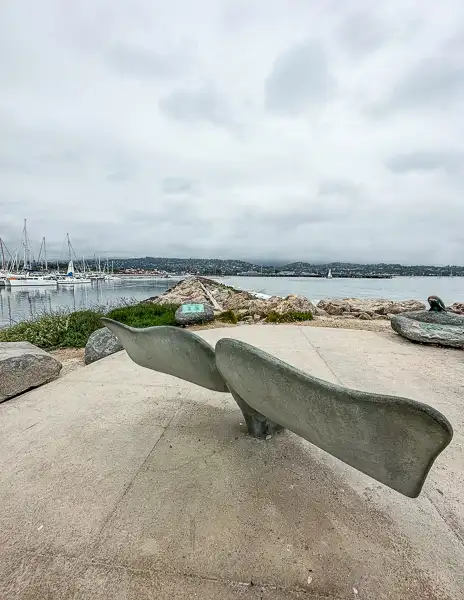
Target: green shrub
x=59 y=329
x=80 y=326
x=288 y=317
x=65 y=329
x=228 y=316
x=145 y=315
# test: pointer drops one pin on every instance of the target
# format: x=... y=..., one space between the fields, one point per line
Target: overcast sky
x=291 y=129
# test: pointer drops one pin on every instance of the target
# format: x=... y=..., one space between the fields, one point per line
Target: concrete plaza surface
x=118 y=482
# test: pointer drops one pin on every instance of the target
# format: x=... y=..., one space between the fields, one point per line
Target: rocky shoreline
x=254 y=308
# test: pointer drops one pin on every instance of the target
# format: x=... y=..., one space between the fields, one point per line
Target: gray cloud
x=177 y=185
x=362 y=33
x=299 y=78
x=436 y=82
x=338 y=186
x=143 y=62
x=142 y=133
x=425 y=161
x=204 y=103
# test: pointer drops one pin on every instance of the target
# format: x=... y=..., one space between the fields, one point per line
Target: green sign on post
x=193 y=308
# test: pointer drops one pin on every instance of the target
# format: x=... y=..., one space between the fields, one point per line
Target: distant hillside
x=202 y=266
x=216 y=266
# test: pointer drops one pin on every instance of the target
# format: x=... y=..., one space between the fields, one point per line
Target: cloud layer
x=273 y=130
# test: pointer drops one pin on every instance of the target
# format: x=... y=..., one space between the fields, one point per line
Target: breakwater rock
x=360 y=308
x=246 y=305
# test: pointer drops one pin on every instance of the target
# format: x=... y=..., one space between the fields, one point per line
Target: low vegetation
x=145 y=315
x=228 y=316
x=65 y=329
x=288 y=317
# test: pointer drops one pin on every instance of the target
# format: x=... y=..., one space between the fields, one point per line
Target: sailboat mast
x=25 y=250
x=3 y=254
x=45 y=254
x=69 y=246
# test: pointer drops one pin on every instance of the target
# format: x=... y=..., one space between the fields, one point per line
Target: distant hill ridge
x=217 y=266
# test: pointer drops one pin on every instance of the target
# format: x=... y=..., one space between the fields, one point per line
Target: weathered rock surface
x=190 y=318
x=441 y=328
x=221 y=297
x=365 y=308
x=24 y=366
x=457 y=307
x=101 y=343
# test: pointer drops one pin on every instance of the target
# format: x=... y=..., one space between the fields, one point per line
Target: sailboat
x=110 y=276
x=26 y=278
x=72 y=277
x=329 y=274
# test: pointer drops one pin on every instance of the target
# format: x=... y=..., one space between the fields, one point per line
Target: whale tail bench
x=393 y=440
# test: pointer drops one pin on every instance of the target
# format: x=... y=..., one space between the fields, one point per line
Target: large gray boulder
x=428 y=327
x=100 y=344
x=189 y=314
x=24 y=366
x=374 y=308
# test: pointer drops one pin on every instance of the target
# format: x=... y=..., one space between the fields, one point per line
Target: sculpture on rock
x=394 y=440
x=438 y=325
x=436 y=304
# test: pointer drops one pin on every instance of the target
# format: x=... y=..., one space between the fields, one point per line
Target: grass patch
x=145 y=315
x=288 y=317
x=65 y=329
x=60 y=329
x=228 y=316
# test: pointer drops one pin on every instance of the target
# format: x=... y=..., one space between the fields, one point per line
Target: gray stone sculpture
x=430 y=327
x=394 y=440
x=172 y=351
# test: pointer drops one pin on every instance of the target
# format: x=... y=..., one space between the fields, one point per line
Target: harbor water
x=18 y=304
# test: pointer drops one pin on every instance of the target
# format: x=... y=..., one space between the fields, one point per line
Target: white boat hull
x=73 y=281
x=31 y=282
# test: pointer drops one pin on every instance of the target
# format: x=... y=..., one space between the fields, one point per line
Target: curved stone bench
x=429 y=327
x=172 y=351
x=394 y=440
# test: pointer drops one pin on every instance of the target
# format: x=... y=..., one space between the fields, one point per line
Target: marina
x=21 y=269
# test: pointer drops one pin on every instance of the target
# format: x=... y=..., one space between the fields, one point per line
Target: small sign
x=193 y=308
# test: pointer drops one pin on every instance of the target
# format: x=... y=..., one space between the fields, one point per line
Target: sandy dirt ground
x=71 y=359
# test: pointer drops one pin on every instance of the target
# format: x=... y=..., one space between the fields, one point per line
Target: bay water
x=18 y=304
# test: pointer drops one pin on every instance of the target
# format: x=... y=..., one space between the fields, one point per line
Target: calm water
x=450 y=289
x=18 y=304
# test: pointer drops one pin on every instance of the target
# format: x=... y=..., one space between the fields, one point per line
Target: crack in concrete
x=149 y=573
x=449 y=525
x=316 y=350
x=128 y=486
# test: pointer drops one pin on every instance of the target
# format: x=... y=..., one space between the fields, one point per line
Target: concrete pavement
x=118 y=482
